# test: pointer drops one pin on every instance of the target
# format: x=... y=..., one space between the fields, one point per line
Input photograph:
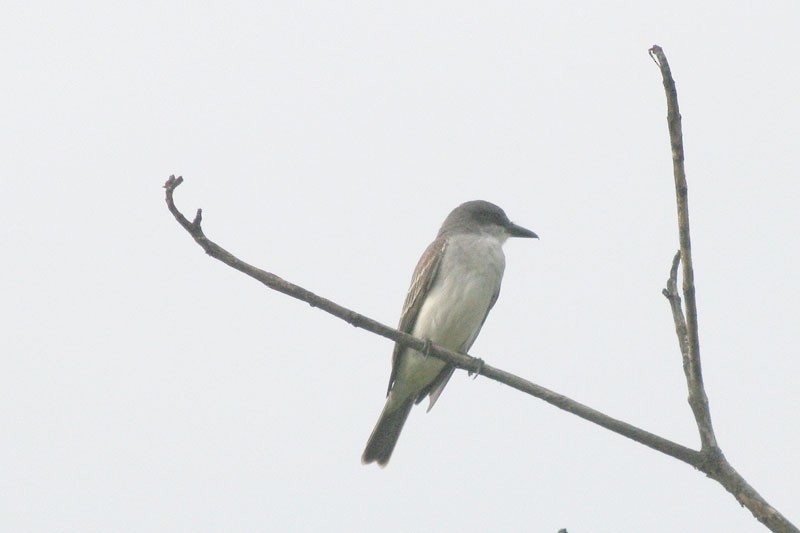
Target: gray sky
x=146 y=387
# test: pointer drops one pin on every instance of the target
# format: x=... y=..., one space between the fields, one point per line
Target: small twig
x=674 y=297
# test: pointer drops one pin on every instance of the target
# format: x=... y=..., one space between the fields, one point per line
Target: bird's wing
x=491 y=304
x=423 y=278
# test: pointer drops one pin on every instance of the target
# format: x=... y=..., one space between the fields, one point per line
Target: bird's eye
x=490 y=216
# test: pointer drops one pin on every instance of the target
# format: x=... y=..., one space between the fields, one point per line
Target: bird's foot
x=426 y=351
x=476 y=370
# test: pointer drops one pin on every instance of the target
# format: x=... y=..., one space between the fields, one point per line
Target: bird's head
x=480 y=216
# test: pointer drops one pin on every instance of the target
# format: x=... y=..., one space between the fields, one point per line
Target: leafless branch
x=713 y=461
x=694 y=376
x=671 y=293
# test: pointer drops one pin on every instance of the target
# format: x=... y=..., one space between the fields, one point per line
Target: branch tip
x=173 y=182
x=652 y=52
x=673 y=272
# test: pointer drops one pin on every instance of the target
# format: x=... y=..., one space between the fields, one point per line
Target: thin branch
x=472 y=364
x=674 y=297
x=713 y=464
x=694 y=375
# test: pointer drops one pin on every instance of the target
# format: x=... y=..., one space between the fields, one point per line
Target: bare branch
x=722 y=471
x=714 y=464
x=674 y=297
x=460 y=360
x=694 y=376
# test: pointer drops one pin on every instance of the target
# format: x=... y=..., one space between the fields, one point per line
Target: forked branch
x=713 y=461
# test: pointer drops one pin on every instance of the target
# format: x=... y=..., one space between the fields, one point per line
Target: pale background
x=147 y=387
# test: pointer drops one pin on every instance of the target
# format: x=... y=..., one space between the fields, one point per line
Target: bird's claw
x=426 y=351
x=475 y=372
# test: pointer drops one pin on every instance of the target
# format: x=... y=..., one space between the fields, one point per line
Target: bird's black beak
x=518 y=231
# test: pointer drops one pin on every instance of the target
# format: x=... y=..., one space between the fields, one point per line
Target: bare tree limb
x=714 y=464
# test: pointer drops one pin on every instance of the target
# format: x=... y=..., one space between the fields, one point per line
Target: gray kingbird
x=454 y=285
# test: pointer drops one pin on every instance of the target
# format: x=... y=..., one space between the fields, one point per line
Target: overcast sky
x=146 y=387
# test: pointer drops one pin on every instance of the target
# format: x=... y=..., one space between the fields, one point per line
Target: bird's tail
x=384 y=437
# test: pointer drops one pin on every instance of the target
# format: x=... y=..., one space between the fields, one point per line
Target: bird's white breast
x=456 y=304
x=467 y=282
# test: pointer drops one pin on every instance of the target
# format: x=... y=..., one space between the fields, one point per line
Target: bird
x=454 y=286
